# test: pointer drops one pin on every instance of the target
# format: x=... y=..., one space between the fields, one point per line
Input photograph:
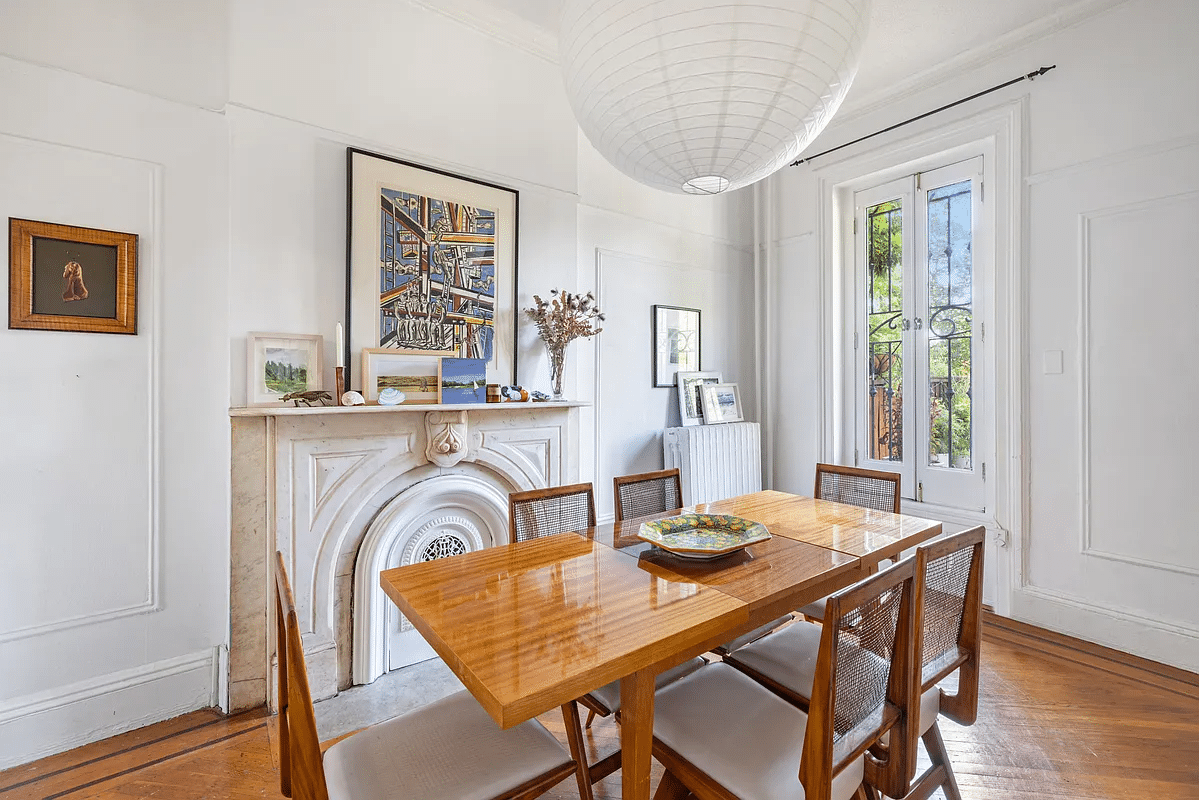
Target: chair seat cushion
x=753 y=636
x=815 y=609
x=744 y=737
x=449 y=748
x=609 y=695
x=788 y=657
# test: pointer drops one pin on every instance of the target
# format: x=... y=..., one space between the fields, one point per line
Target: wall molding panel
x=150 y=300
x=1087 y=224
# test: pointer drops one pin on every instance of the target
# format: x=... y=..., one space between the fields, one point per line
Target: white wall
x=114 y=481
x=1103 y=543
x=637 y=248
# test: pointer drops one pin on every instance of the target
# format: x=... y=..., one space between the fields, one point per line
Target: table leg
x=636 y=733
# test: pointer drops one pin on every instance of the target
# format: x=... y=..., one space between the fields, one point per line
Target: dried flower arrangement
x=561 y=320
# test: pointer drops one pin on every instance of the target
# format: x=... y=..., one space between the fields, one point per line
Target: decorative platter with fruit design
x=702 y=535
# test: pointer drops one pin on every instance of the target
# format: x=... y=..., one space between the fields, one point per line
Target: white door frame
x=997 y=133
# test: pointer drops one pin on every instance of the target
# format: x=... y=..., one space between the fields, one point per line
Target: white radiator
x=715 y=461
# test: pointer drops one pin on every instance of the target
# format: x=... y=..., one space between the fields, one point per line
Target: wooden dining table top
x=530 y=626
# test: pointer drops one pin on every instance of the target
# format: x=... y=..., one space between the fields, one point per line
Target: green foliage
x=285 y=378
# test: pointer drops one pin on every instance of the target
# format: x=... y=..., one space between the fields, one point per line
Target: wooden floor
x=1047 y=728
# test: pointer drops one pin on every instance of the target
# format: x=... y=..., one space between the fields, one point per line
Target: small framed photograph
x=280 y=364
x=463 y=380
x=66 y=278
x=676 y=343
x=691 y=408
x=721 y=403
x=416 y=374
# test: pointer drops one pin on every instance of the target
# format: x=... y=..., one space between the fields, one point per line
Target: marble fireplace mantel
x=336 y=489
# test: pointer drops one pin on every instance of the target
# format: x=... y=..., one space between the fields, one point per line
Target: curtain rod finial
x=1032 y=76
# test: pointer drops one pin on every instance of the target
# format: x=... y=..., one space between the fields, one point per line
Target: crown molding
x=499 y=24
x=857 y=107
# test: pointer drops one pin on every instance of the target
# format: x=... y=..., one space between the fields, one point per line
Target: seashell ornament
x=391 y=397
x=353 y=398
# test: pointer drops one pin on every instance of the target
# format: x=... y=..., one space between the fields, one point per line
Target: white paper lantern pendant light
x=704 y=96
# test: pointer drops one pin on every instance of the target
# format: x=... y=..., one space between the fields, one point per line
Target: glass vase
x=557 y=367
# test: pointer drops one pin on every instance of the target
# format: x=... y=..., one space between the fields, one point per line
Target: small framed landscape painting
x=66 y=278
x=280 y=364
x=721 y=403
x=416 y=374
x=676 y=343
x=463 y=380
x=691 y=408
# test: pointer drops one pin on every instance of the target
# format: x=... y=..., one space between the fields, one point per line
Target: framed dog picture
x=67 y=278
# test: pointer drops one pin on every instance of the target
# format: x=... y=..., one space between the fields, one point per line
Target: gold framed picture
x=415 y=373
x=68 y=278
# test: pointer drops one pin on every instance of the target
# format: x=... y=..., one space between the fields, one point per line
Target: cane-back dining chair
x=866 y=488
x=404 y=758
x=720 y=734
x=646 y=493
x=544 y=512
x=948 y=638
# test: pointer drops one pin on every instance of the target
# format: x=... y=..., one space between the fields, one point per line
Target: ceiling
x=908 y=38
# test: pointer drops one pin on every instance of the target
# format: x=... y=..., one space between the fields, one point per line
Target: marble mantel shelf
x=292 y=411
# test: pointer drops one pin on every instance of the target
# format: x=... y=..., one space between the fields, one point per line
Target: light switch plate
x=1053 y=362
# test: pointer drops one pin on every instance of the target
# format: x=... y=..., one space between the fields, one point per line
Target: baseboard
x=1079 y=651
x=41 y=724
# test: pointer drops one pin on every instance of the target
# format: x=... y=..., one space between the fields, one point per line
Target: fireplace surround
x=344 y=493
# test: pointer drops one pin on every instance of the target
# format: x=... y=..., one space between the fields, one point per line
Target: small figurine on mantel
x=309 y=398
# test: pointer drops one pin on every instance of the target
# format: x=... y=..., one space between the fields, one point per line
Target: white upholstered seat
x=449 y=748
x=609 y=695
x=741 y=735
x=788 y=658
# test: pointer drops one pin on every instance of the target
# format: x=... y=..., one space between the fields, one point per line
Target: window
x=919 y=333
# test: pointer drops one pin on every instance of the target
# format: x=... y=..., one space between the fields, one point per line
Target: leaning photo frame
x=722 y=403
x=278 y=364
x=431 y=261
x=691 y=409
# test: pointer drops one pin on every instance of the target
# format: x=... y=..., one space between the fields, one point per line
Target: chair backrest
x=647 y=493
x=949 y=618
x=865 y=683
x=301 y=771
x=868 y=488
x=544 y=512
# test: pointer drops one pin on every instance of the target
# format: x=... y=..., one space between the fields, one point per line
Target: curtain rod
x=1029 y=77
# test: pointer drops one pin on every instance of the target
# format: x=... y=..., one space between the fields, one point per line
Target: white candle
x=341 y=347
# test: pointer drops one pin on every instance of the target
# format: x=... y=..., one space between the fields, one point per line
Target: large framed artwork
x=676 y=343
x=430 y=263
x=67 y=278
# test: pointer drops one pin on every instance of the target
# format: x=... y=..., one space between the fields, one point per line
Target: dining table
x=531 y=626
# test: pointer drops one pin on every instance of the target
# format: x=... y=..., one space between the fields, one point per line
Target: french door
x=920 y=245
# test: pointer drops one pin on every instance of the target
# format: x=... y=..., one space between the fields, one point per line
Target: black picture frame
x=675 y=344
x=367 y=174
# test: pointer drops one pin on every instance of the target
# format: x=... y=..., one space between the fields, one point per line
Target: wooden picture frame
x=415 y=373
x=412 y=231
x=722 y=403
x=70 y=278
x=280 y=363
x=691 y=406
x=676 y=343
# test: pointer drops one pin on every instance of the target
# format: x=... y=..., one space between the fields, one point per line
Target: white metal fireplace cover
x=409 y=511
